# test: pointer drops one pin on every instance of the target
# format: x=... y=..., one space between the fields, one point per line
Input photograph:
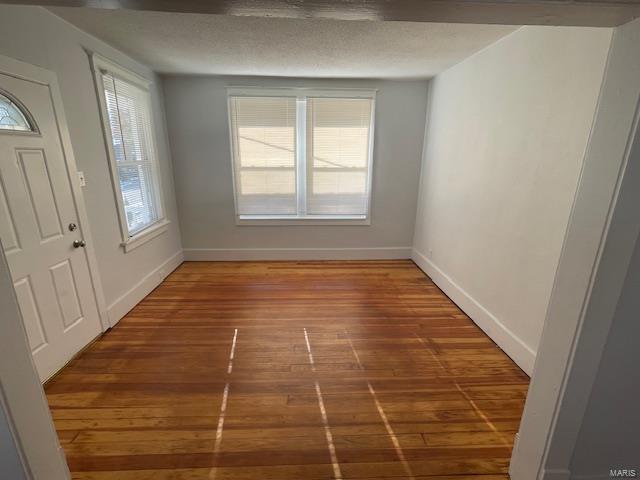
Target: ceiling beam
x=599 y=13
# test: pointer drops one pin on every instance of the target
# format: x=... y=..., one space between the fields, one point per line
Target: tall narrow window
x=338 y=155
x=301 y=154
x=128 y=126
x=264 y=136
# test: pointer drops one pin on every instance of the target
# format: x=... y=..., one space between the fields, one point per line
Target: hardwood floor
x=291 y=371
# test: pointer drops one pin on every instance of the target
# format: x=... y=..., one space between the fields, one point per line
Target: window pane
x=337 y=204
x=264 y=140
x=129 y=116
x=114 y=117
x=136 y=184
x=339 y=181
x=267 y=182
x=11 y=117
x=338 y=155
x=127 y=107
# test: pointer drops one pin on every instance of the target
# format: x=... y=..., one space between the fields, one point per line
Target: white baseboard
x=235 y=254
x=131 y=298
x=513 y=346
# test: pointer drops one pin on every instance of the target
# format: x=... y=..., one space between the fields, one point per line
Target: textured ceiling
x=226 y=45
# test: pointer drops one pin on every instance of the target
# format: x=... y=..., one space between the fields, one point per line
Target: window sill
x=144 y=236
x=283 y=220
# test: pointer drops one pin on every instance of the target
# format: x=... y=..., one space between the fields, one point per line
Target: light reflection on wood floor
x=291 y=371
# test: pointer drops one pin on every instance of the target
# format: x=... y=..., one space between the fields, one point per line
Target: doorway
x=40 y=223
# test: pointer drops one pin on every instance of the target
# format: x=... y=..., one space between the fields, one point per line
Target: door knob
x=79 y=243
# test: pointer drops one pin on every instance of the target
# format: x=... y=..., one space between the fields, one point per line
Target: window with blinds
x=128 y=112
x=337 y=155
x=264 y=139
x=302 y=154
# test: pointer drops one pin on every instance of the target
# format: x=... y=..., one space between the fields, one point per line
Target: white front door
x=38 y=227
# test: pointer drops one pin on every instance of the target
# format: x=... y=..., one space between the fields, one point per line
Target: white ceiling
x=227 y=45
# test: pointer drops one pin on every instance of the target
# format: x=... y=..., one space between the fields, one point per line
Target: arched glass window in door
x=12 y=116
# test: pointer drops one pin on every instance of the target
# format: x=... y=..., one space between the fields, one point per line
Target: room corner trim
x=496 y=330
x=133 y=296
x=239 y=254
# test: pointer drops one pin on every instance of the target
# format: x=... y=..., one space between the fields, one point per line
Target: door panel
x=66 y=293
x=37 y=181
x=7 y=225
x=51 y=277
x=30 y=314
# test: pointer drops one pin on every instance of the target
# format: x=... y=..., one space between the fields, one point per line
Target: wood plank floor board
x=358 y=370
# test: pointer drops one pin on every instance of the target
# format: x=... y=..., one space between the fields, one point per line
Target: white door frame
x=25 y=71
x=21 y=394
x=603 y=228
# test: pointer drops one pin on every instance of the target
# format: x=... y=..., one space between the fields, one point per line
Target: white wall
x=10 y=460
x=506 y=137
x=36 y=36
x=596 y=255
x=199 y=136
x=612 y=420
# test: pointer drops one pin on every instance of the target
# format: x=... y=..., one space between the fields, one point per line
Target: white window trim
x=301 y=93
x=274 y=220
x=99 y=66
x=149 y=233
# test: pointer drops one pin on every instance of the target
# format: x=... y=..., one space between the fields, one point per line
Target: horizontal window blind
x=338 y=155
x=301 y=154
x=264 y=141
x=129 y=116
